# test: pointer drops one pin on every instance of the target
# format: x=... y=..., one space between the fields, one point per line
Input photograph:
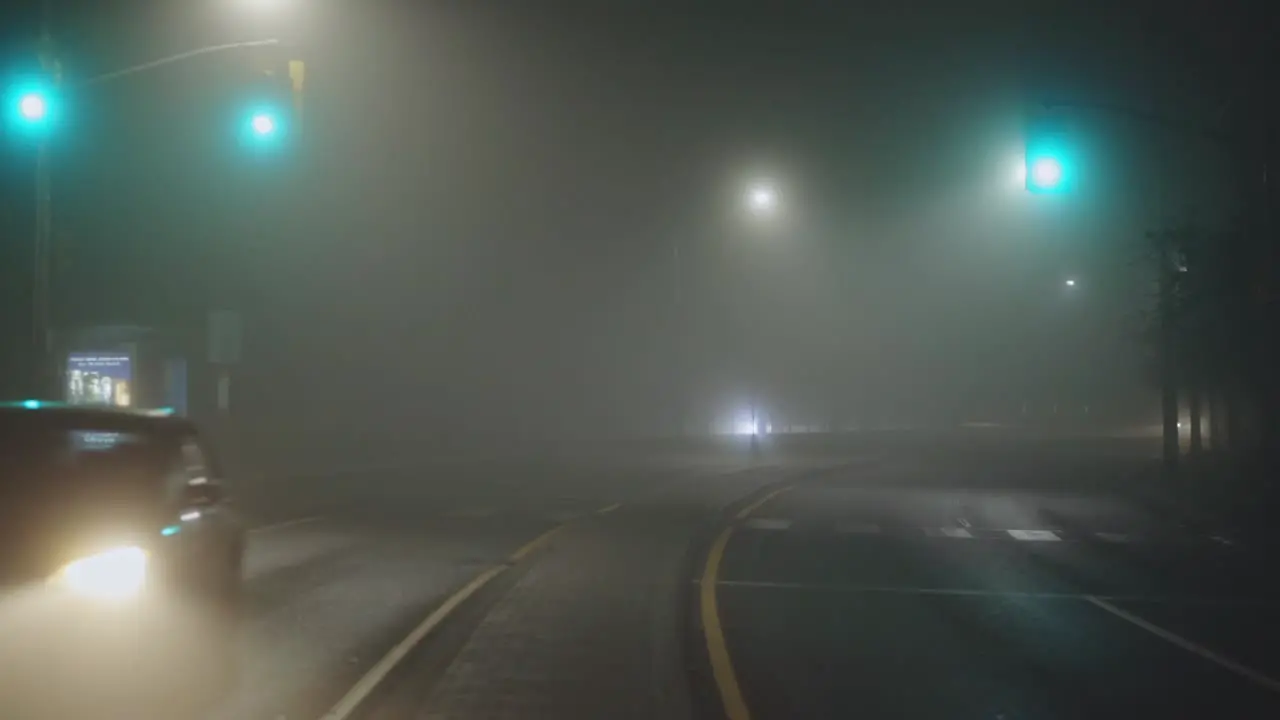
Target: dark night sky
x=478 y=224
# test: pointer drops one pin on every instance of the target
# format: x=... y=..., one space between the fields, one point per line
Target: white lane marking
x=1034 y=535
x=1012 y=594
x=858 y=529
x=1112 y=537
x=950 y=532
x=767 y=524
x=366 y=685
x=272 y=527
x=1191 y=647
x=1221 y=540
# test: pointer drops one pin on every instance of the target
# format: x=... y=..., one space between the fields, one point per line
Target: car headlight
x=118 y=573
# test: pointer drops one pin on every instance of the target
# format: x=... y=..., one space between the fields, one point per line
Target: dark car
x=120 y=562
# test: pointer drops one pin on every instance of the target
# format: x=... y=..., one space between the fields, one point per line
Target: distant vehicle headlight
x=115 y=574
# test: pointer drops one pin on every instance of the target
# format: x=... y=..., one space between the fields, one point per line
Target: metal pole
x=40 y=276
x=677 y=339
x=1168 y=362
x=43 y=240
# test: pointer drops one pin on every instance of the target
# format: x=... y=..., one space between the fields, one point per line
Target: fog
x=502 y=222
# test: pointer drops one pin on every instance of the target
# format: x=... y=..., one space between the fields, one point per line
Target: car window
x=44 y=458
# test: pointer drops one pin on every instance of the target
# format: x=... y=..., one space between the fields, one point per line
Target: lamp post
x=760 y=200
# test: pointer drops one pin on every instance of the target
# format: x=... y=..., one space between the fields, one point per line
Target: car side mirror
x=201 y=494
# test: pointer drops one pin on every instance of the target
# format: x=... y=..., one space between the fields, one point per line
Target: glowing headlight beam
x=118 y=573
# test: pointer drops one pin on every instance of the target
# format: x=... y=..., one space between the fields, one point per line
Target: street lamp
x=1071 y=282
x=762 y=199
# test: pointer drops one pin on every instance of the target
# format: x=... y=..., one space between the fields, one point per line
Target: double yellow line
x=735 y=707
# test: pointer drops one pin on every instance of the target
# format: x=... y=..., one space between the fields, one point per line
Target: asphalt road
x=1003 y=579
x=340 y=570
x=987 y=585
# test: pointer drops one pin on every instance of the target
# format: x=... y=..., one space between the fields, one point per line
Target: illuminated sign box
x=103 y=378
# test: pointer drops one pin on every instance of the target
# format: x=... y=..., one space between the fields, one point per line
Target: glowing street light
x=762 y=199
x=1070 y=282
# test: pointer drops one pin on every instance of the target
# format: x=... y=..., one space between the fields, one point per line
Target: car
x=120 y=562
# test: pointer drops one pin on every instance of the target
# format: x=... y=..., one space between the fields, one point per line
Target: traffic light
x=32 y=106
x=266 y=118
x=264 y=125
x=1049 y=164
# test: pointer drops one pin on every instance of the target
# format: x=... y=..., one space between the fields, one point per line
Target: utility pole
x=678 y=380
x=1168 y=349
x=42 y=241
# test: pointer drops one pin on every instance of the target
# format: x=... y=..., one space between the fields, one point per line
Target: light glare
x=762 y=199
x=263 y=124
x=115 y=574
x=32 y=106
x=1046 y=172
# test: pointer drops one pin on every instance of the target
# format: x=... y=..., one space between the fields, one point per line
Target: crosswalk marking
x=950 y=532
x=1053 y=535
x=767 y=524
x=1034 y=535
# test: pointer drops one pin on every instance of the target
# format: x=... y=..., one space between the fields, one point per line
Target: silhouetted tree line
x=1220 y=302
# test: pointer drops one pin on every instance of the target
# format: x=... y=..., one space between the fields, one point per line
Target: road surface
x=341 y=569
x=985 y=585
x=959 y=580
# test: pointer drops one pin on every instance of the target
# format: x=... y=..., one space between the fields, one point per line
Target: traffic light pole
x=43 y=374
x=44 y=378
x=1170 y=436
x=42 y=252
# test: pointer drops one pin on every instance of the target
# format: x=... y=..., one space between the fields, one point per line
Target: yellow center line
x=760 y=503
x=735 y=706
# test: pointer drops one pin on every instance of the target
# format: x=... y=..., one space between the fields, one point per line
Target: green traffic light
x=264 y=129
x=263 y=124
x=1044 y=174
x=1049 y=165
x=31 y=106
